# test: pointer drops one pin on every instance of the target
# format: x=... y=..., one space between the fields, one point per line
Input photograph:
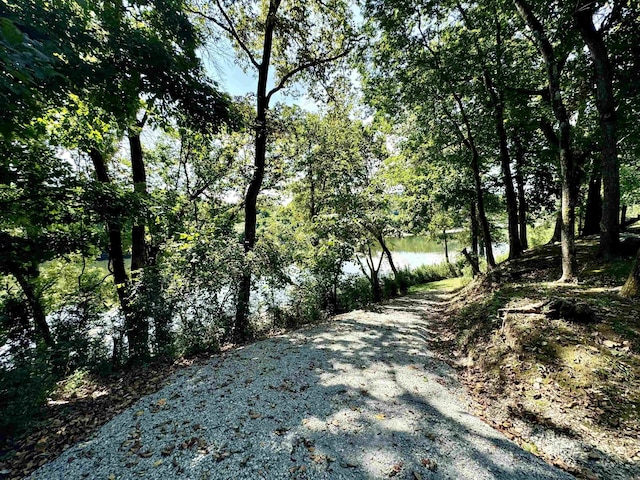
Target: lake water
x=414 y=251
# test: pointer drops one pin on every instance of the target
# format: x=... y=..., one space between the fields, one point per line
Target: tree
x=606 y=105
x=293 y=39
x=424 y=71
x=554 y=62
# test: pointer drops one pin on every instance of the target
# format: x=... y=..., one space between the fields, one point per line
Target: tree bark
x=387 y=252
x=469 y=142
x=472 y=261
x=241 y=331
x=497 y=98
x=569 y=174
x=496 y=95
x=557 y=230
x=139 y=333
x=446 y=245
x=593 y=209
x=482 y=217
x=120 y=278
x=474 y=231
x=522 y=199
x=605 y=103
x=138 y=242
x=623 y=215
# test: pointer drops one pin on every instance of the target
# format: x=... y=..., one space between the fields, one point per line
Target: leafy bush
x=354 y=291
x=24 y=388
x=390 y=287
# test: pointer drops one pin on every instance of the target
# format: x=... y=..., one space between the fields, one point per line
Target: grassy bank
x=547 y=362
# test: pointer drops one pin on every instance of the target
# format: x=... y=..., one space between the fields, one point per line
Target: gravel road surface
x=360 y=397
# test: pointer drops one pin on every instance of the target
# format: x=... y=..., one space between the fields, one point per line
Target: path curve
x=360 y=397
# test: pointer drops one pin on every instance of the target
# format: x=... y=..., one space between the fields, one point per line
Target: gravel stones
x=358 y=398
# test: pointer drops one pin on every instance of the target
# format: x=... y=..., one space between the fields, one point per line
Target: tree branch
x=229 y=28
x=304 y=66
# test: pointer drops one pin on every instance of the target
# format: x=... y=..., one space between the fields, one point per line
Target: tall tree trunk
x=474 y=231
x=312 y=193
x=515 y=245
x=241 y=331
x=569 y=174
x=522 y=199
x=623 y=215
x=482 y=217
x=496 y=95
x=138 y=242
x=469 y=142
x=605 y=103
x=120 y=277
x=446 y=245
x=139 y=331
x=593 y=209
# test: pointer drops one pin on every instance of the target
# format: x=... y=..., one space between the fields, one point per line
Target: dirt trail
x=359 y=397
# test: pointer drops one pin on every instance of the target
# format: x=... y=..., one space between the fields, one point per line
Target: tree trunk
x=387 y=252
x=631 y=288
x=446 y=245
x=623 y=215
x=241 y=331
x=37 y=312
x=515 y=248
x=496 y=94
x=557 y=231
x=120 y=277
x=376 y=288
x=474 y=231
x=482 y=217
x=472 y=261
x=522 y=199
x=593 y=209
x=139 y=330
x=138 y=242
x=605 y=103
x=568 y=168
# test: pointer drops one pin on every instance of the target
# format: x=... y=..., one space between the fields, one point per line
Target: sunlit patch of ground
x=531 y=371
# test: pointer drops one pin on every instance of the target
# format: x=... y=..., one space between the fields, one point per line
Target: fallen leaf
x=166 y=451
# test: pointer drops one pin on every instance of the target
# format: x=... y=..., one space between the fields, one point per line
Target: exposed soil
x=555 y=367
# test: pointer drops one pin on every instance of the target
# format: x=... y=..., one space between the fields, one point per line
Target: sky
x=222 y=66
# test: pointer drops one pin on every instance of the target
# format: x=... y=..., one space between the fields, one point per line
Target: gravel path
x=358 y=398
